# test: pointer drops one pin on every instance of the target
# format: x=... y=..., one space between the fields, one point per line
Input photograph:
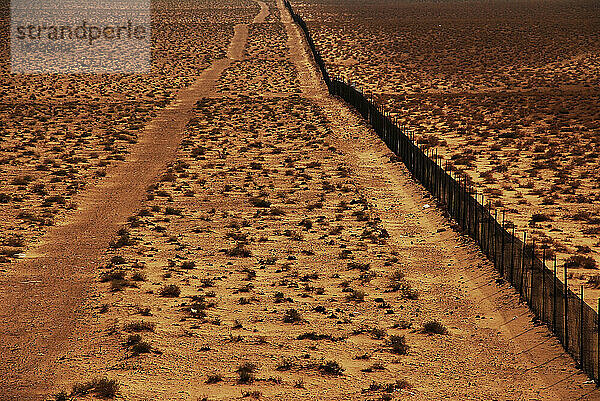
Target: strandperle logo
x=75 y=36
x=84 y=31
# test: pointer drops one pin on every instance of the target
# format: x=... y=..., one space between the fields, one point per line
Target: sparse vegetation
x=397 y=344
x=292 y=316
x=101 y=387
x=246 y=372
x=434 y=327
x=580 y=262
x=170 y=291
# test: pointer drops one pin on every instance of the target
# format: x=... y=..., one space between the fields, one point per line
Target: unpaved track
x=41 y=299
x=263 y=14
x=450 y=271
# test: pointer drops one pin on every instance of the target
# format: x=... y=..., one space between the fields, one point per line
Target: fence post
x=476 y=218
x=566 y=314
x=543 y=284
x=522 y=278
x=435 y=175
x=470 y=212
x=489 y=229
x=582 y=364
x=554 y=298
x=502 y=244
x=465 y=193
x=450 y=195
x=495 y=241
x=485 y=225
x=531 y=271
x=444 y=178
x=512 y=256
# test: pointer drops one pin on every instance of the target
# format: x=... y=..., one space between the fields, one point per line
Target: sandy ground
x=504 y=92
x=261 y=244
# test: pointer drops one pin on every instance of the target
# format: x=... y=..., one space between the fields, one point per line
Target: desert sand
x=254 y=241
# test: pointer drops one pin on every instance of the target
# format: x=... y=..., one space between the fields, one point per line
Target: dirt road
x=42 y=297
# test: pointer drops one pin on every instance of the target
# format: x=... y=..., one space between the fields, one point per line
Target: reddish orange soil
x=265 y=224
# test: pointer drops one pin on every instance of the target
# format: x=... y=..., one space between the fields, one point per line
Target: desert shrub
x=239 y=251
x=539 y=218
x=398 y=283
x=24 y=180
x=280 y=297
x=387 y=388
x=111 y=275
x=141 y=347
x=14 y=241
x=285 y=364
x=246 y=372
x=170 y=291
x=315 y=337
x=356 y=296
x=378 y=333
x=260 y=202
x=594 y=281
x=434 y=327
x=117 y=260
x=62 y=396
x=360 y=266
x=211 y=379
x=173 y=211
x=292 y=316
x=188 y=265
x=138 y=276
x=103 y=388
x=124 y=239
x=119 y=285
x=397 y=280
x=132 y=340
x=168 y=177
x=136 y=327
x=306 y=223
x=252 y=394
x=580 y=262
x=277 y=211
x=331 y=368
x=398 y=345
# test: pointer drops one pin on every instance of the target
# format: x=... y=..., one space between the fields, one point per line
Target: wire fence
x=565 y=313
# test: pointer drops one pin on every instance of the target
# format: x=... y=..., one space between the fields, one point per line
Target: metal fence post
x=476 y=222
x=566 y=314
x=502 y=269
x=531 y=271
x=489 y=230
x=543 y=284
x=554 y=297
x=581 y=359
x=512 y=256
x=495 y=241
x=464 y=205
x=522 y=278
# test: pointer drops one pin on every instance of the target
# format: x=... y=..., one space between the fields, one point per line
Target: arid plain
x=223 y=229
